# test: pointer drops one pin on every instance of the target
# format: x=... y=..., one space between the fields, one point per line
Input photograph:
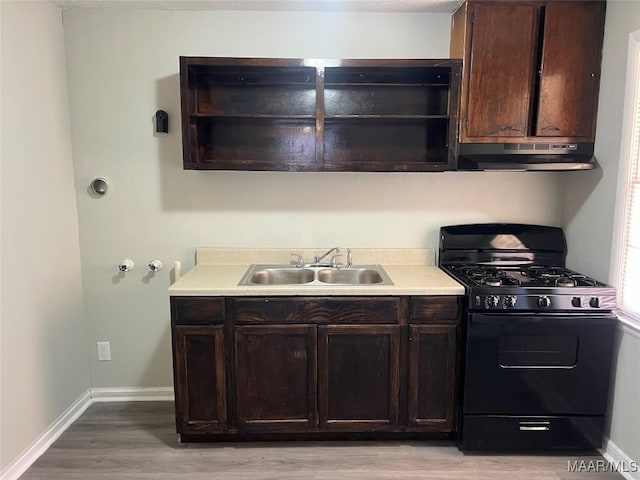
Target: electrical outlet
x=104 y=351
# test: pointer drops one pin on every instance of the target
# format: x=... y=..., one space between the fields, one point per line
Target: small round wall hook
x=99 y=186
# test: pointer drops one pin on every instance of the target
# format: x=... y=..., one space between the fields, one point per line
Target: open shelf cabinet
x=320 y=115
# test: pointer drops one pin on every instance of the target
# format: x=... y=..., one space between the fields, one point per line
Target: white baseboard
x=71 y=414
x=627 y=467
x=42 y=443
x=131 y=394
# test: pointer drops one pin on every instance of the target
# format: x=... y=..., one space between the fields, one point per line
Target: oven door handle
x=537 y=367
x=534 y=426
x=538 y=318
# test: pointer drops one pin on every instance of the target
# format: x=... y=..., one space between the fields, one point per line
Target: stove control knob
x=510 y=301
x=576 y=302
x=594 y=302
x=544 y=302
x=492 y=301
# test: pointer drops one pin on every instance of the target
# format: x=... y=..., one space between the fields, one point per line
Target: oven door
x=537 y=364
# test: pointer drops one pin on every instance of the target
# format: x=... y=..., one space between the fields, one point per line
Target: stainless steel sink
x=350 y=276
x=281 y=276
x=288 y=275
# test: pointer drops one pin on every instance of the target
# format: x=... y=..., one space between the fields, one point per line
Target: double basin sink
x=315 y=275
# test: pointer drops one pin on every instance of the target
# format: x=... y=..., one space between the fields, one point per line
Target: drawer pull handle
x=534 y=427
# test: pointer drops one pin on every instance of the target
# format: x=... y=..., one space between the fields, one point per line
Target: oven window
x=538 y=351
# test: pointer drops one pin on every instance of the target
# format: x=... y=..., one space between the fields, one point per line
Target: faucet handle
x=299 y=262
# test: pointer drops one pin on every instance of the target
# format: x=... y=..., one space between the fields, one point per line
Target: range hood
x=526 y=156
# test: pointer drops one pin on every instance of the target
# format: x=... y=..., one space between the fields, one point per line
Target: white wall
x=123 y=66
x=590 y=196
x=589 y=218
x=44 y=339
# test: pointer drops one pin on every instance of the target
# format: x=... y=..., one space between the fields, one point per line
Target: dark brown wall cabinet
x=322 y=115
x=253 y=365
x=531 y=69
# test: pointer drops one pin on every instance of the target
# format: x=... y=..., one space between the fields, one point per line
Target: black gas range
x=538 y=339
x=535 y=287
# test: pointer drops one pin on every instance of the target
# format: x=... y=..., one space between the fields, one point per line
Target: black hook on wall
x=162 y=122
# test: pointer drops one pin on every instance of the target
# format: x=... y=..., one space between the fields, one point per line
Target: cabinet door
x=200 y=385
x=570 y=72
x=359 y=377
x=275 y=377
x=501 y=71
x=432 y=377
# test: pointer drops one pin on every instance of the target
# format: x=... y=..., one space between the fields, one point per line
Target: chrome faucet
x=299 y=262
x=317 y=260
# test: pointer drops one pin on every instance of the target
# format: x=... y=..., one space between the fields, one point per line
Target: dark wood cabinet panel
x=531 y=70
x=436 y=309
x=275 y=377
x=197 y=310
x=569 y=80
x=254 y=143
x=200 y=381
x=502 y=70
x=432 y=377
x=338 y=115
x=317 y=310
x=359 y=377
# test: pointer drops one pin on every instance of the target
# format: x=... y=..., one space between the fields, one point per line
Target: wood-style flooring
x=137 y=440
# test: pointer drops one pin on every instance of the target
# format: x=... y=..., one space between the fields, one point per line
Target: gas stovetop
x=532 y=288
x=524 y=276
x=519 y=267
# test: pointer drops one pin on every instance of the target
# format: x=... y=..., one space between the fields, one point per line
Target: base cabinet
x=275 y=369
x=293 y=365
x=200 y=380
x=432 y=365
x=359 y=377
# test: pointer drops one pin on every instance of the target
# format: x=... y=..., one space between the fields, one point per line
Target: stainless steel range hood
x=526 y=156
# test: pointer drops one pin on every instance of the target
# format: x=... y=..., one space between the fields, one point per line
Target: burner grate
x=526 y=276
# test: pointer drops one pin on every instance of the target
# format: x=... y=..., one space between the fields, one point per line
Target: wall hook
x=162 y=122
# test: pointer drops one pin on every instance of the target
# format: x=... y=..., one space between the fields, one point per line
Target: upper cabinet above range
x=531 y=70
x=319 y=115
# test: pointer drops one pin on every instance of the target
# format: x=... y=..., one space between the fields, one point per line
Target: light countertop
x=218 y=271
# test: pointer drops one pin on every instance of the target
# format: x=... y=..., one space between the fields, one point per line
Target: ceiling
x=422 y=6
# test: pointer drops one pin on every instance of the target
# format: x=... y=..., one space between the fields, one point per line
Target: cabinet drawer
x=324 y=310
x=197 y=310
x=436 y=309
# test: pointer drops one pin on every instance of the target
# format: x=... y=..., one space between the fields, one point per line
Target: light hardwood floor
x=137 y=440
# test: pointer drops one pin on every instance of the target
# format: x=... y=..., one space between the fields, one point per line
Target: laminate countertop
x=218 y=271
